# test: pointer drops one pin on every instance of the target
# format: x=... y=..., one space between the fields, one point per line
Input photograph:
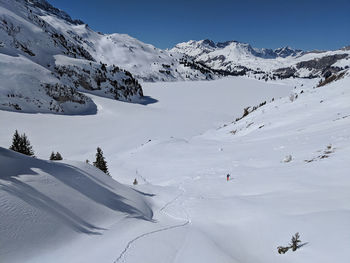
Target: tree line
x=21 y=144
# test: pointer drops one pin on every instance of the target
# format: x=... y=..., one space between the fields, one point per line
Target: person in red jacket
x=228 y=177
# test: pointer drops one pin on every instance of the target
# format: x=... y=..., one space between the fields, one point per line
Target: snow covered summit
x=237 y=58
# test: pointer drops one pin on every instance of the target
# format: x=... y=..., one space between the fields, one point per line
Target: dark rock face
x=287 y=51
x=320 y=67
x=225 y=44
x=284 y=73
x=44 y=5
x=100 y=79
x=209 y=42
x=321 y=63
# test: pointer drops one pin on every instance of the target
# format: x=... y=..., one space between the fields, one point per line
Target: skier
x=228 y=177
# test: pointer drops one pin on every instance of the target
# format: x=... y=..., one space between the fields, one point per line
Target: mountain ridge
x=110 y=65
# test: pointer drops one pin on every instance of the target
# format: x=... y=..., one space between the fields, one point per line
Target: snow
x=144 y=61
x=233 y=54
x=173 y=109
x=46 y=204
x=288 y=158
x=267 y=200
x=33 y=46
x=342 y=63
x=197 y=216
x=23 y=89
x=47 y=37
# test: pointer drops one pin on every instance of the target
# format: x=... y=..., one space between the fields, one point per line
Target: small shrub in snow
x=21 y=144
x=135 y=182
x=249 y=110
x=287 y=159
x=56 y=156
x=100 y=162
x=282 y=250
x=294 y=244
x=293 y=97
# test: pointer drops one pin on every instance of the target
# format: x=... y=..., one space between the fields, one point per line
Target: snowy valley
x=172 y=125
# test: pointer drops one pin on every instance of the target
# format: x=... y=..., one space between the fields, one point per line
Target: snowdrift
x=44 y=204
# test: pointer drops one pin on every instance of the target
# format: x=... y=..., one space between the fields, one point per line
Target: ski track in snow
x=188 y=221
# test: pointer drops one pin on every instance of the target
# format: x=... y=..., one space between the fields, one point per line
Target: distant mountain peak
x=194 y=48
x=46 y=6
x=209 y=42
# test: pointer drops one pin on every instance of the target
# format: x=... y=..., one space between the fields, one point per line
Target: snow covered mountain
x=197 y=48
x=236 y=58
x=53 y=65
x=101 y=64
x=58 y=58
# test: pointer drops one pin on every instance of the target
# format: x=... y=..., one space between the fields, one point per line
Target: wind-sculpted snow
x=43 y=203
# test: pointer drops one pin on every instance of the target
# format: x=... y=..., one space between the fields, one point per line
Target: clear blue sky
x=304 y=24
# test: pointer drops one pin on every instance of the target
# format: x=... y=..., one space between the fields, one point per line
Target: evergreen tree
x=135 y=182
x=25 y=145
x=295 y=242
x=56 y=157
x=21 y=144
x=52 y=156
x=100 y=162
x=16 y=141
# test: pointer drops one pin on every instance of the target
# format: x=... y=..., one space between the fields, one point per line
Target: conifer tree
x=100 y=162
x=295 y=242
x=52 y=156
x=21 y=144
x=16 y=141
x=25 y=145
x=58 y=156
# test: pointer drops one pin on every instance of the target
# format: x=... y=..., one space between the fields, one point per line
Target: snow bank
x=45 y=205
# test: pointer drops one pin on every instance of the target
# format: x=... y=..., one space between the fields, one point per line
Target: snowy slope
x=144 y=61
x=38 y=30
x=268 y=199
x=46 y=205
x=42 y=33
x=197 y=215
x=25 y=34
x=29 y=87
x=117 y=128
